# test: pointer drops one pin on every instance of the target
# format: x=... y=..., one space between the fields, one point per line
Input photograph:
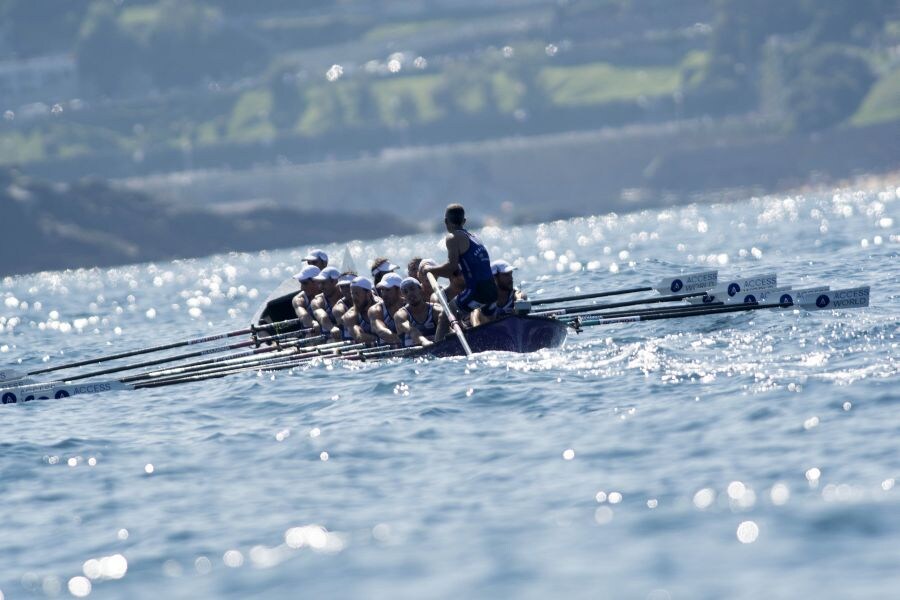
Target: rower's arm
x=351 y=324
x=380 y=327
x=404 y=325
x=453 y=251
x=297 y=302
x=323 y=319
x=299 y=308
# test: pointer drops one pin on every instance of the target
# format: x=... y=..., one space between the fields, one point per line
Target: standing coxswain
x=416 y=321
x=466 y=252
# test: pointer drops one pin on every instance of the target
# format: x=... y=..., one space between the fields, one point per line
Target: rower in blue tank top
x=466 y=252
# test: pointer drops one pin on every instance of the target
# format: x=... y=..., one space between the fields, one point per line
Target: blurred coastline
x=155 y=129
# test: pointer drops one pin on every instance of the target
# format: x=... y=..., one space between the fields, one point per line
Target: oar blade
x=688 y=283
x=17 y=395
x=857 y=297
x=11 y=376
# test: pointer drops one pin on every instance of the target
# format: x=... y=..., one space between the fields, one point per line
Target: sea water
x=733 y=456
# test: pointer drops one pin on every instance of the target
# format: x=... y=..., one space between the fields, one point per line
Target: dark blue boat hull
x=513 y=333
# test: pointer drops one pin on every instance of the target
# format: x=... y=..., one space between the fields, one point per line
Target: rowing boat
x=512 y=333
x=275 y=339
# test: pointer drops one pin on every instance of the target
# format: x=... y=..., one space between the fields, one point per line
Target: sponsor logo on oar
x=823 y=301
x=677 y=284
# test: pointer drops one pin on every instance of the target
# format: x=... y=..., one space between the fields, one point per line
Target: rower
x=317 y=258
x=341 y=307
x=381 y=267
x=412 y=267
x=310 y=279
x=423 y=279
x=324 y=303
x=456 y=286
x=381 y=315
x=466 y=252
x=417 y=319
x=507 y=293
x=356 y=320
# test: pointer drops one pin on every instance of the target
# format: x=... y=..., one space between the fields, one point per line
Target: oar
x=686 y=283
x=167 y=359
x=729 y=288
x=11 y=376
x=275 y=365
x=454 y=324
x=574 y=310
x=778 y=295
x=235 y=357
x=640 y=311
x=837 y=299
x=276 y=327
x=332 y=349
x=57 y=390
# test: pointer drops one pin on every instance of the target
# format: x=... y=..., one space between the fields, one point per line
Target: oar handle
x=454 y=324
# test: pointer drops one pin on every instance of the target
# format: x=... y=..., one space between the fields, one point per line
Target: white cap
x=384 y=266
x=501 y=266
x=309 y=272
x=317 y=255
x=331 y=273
x=346 y=279
x=409 y=282
x=362 y=282
x=390 y=280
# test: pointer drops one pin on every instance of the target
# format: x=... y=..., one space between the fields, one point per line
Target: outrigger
x=275 y=342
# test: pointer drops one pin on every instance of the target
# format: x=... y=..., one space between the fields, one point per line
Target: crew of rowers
x=390 y=310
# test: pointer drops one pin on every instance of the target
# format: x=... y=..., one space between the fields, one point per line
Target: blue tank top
x=427 y=327
x=475 y=263
x=387 y=317
x=345 y=333
x=508 y=307
x=364 y=323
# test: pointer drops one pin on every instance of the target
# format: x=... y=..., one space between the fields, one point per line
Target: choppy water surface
x=739 y=456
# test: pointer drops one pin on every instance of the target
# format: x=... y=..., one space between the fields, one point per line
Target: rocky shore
x=88 y=223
